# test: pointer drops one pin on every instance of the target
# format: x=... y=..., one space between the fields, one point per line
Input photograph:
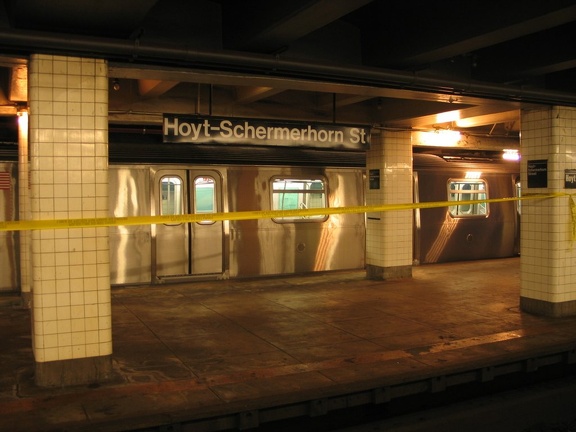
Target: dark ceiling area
x=411 y=64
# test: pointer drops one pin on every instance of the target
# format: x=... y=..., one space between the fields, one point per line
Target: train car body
x=9 y=244
x=152 y=180
x=463 y=232
x=238 y=248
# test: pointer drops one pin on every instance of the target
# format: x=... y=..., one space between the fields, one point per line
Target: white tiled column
x=548 y=253
x=71 y=309
x=389 y=233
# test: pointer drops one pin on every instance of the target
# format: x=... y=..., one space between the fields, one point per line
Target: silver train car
x=172 y=179
x=9 y=240
x=463 y=232
x=238 y=248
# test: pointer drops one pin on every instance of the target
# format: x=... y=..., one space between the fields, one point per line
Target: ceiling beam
x=19 y=84
x=421 y=54
x=129 y=71
x=485 y=114
x=327 y=101
x=153 y=88
x=246 y=95
x=488 y=119
x=8 y=110
x=276 y=29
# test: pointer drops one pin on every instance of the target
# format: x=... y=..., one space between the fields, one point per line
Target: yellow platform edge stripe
x=23 y=225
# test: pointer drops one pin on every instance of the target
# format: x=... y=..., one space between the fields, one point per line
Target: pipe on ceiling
x=174 y=55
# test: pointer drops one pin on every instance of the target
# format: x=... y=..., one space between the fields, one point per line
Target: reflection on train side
x=465 y=231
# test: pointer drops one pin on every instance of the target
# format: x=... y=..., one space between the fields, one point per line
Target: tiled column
x=24 y=208
x=548 y=253
x=389 y=233
x=71 y=310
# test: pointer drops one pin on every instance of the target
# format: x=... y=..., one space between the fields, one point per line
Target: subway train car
x=463 y=232
x=147 y=179
x=9 y=247
x=205 y=179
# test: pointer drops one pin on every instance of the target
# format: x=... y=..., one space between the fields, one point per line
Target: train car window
x=205 y=196
x=468 y=190
x=172 y=196
x=297 y=193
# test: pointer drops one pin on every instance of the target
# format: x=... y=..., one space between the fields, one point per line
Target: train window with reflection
x=468 y=190
x=299 y=193
x=172 y=196
x=205 y=196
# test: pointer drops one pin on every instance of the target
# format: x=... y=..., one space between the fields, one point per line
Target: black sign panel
x=196 y=129
x=570 y=179
x=374 y=178
x=538 y=173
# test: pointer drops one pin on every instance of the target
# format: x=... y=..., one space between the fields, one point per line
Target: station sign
x=210 y=130
x=570 y=179
x=537 y=173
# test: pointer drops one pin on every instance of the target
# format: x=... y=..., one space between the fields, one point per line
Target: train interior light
x=473 y=174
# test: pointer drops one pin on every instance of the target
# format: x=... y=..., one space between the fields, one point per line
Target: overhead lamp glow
x=448 y=117
x=511 y=155
x=440 y=138
x=23 y=125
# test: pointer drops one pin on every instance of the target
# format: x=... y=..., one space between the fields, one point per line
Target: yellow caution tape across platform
x=250 y=215
x=573 y=216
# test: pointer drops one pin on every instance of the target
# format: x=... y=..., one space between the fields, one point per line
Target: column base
x=386 y=273
x=62 y=373
x=541 y=307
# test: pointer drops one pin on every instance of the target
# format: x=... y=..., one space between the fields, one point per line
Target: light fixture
x=22 y=113
x=438 y=138
x=116 y=84
x=511 y=155
x=470 y=175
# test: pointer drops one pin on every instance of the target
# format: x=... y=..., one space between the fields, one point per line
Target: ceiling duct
x=174 y=55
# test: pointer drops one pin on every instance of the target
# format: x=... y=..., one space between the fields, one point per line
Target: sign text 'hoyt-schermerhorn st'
x=197 y=129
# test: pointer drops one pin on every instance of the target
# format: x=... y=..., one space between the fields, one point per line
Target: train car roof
x=151 y=152
x=460 y=161
x=123 y=149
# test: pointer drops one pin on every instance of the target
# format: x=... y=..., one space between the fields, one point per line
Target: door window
x=172 y=202
x=205 y=196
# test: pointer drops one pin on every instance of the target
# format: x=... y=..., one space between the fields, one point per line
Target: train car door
x=187 y=249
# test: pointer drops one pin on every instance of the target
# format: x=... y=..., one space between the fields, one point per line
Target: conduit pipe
x=133 y=51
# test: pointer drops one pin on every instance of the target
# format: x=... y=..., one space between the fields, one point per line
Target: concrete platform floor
x=210 y=349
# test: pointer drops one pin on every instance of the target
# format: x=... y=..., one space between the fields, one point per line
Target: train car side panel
x=269 y=247
x=130 y=246
x=9 y=243
x=460 y=233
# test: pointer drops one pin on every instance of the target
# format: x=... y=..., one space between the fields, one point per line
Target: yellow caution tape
x=573 y=216
x=250 y=215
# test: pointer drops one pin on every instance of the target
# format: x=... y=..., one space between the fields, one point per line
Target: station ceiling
x=424 y=65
